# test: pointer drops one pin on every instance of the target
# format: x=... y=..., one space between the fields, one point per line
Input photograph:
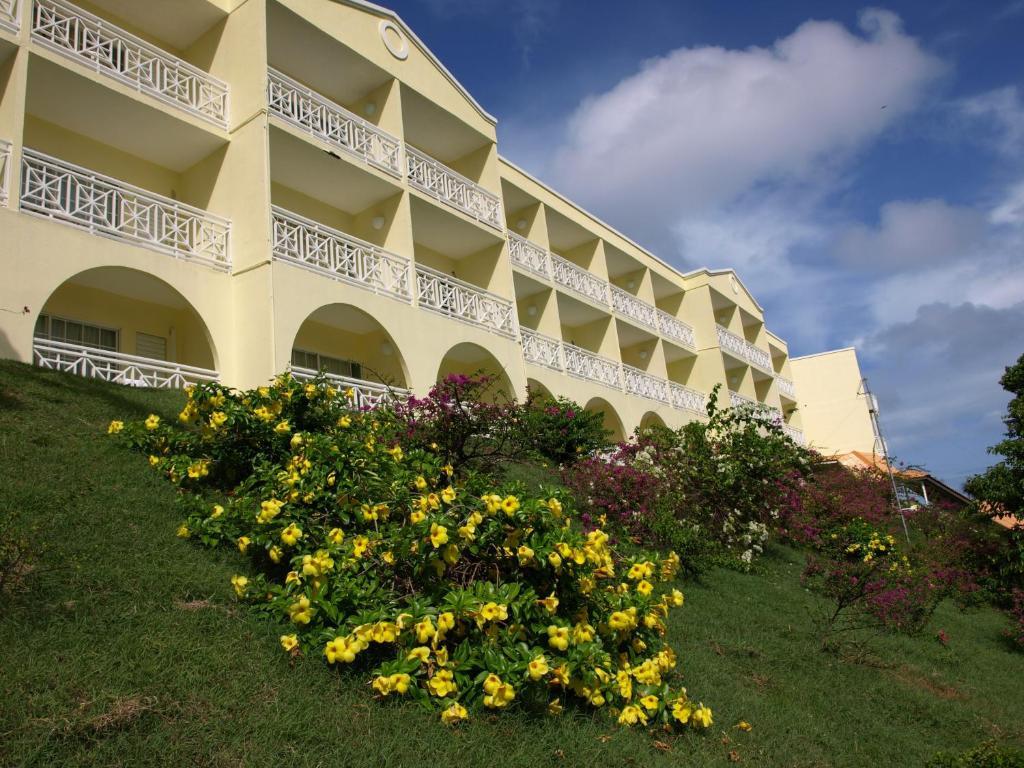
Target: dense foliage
x=559 y=431
x=378 y=552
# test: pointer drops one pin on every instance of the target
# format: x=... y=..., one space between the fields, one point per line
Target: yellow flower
x=218 y=510
x=558 y=637
x=702 y=716
x=554 y=707
x=582 y=633
x=625 y=683
x=550 y=603
x=425 y=630
x=494 y=612
x=682 y=710
x=239 y=583
x=336 y=536
x=269 y=509
x=441 y=654
x=282 y=427
x=451 y=554
x=644 y=587
x=493 y=503
x=275 y=553
x=445 y=622
x=467 y=532
x=442 y=683
x=501 y=694
x=560 y=674
x=342 y=649
x=291 y=534
x=650 y=702
x=538 y=667
x=296 y=442
x=555 y=559
x=438 y=535
x=115 y=427
x=621 y=621
x=396 y=453
x=631 y=715
x=677 y=598
x=243 y=543
x=510 y=504
x=434 y=501
x=454 y=714
x=448 y=469
x=152 y=421
x=288 y=642
x=399 y=682
x=359 y=546
x=183 y=532
x=420 y=483
x=154 y=460
x=555 y=506
x=525 y=555
x=420 y=653
x=301 y=612
x=345 y=421
x=743 y=725
x=416 y=516
x=448 y=495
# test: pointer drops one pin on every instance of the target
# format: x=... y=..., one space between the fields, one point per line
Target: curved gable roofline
x=380 y=10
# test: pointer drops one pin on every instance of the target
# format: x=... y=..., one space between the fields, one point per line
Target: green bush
x=987 y=755
x=559 y=430
x=378 y=553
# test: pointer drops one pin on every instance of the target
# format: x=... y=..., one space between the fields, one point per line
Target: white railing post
x=10 y=15
x=455 y=298
x=116 y=367
x=114 y=52
x=332 y=123
x=579 y=280
x=340 y=256
x=528 y=255
x=103 y=205
x=5 y=172
x=442 y=183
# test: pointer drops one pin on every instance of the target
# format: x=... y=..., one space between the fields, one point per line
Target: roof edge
x=381 y=10
x=826 y=352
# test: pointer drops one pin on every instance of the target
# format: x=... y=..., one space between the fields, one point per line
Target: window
x=75 y=332
x=153 y=347
x=333 y=365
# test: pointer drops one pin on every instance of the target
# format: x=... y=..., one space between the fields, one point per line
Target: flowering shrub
x=1016 y=631
x=870 y=583
x=378 y=553
x=831 y=496
x=560 y=431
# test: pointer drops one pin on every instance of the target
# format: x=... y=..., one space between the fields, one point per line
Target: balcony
x=340 y=256
x=786 y=387
x=449 y=296
x=332 y=123
x=645 y=385
x=116 y=367
x=442 y=183
x=106 y=206
x=5 y=164
x=630 y=306
x=541 y=350
x=579 y=280
x=113 y=52
x=587 y=365
x=686 y=399
x=794 y=434
x=364 y=394
x=529 y=256
x=10 y=15
x=736 y=400
x=676 y=330
x=742 y=349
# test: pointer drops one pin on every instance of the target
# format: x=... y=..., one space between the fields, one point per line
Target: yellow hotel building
x=226 y=189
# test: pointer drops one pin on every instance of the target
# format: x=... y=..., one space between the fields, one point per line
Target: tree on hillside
x=1003 y=483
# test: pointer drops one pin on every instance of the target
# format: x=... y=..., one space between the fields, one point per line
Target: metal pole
x=880 y=440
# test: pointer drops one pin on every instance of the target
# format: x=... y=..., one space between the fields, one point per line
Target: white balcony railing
x=587 y=365
x=5 y=171
x=103 y=205
x=442 y=183
x=116 y=367
x=643 y=384
x=794 y=434
x=111 y=51
x=541 y=349
x=442 y=293
x=686 y=399
x=332 y=123
x=340 y=256
x=10 y=15
x=364 y=394
x=630 y=306
x=579 y=280
x=786 y=387
x=529 y=256
x=736 y=400
x=742 y=349
x=676 y=330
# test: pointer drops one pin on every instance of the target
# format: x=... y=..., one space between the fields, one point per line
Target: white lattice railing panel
x=332 y=123
x=116 y=367
x=363 y=394
x=645 y=385
x=730 y=342
x=102 y=205
x=113 y=52
x=786 y=387
x=10 y=15
x=527 y=255
x=736 y=400
x=578 y=279
x=686 y=399
x=540 y=349
x=630 y=306
x=442 y=183
x=587 y=365
x=340 y=256
x=675 y=329
x=794 y=434
x=442 y=293
x=5 y=172
x=759 y=357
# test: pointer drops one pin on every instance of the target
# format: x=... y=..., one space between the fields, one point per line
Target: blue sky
x=862 y=167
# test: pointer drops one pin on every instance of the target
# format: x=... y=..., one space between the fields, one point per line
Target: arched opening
x=349 y=346
x=537 y=391
x=467 y=359
x=125 y=326
x=651 y=419
x=612 y=422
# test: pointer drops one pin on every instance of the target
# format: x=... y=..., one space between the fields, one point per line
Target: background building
x=208 y=189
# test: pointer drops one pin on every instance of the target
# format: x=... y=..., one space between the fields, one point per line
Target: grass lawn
x=128 y=648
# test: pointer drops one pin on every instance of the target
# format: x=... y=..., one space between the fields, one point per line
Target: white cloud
x=999 y=116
